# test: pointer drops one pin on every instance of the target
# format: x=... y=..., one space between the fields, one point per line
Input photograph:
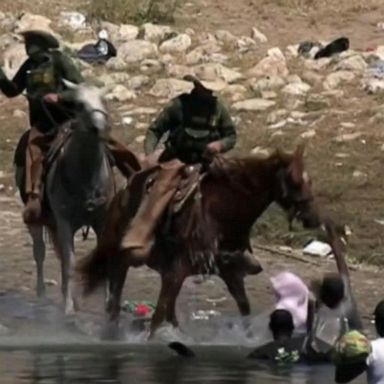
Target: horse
x=79 y=185
x=233 y=194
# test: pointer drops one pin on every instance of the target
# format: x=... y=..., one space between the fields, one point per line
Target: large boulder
x=274 y=64
x=136 y=51
x=170 y=88
x=253 y=105
x=30 y=21
x=353 y=63
x=155 y=33
x=13 y=58
x=335 y=79
x=215 y=71
x=269 y=83
x=178 y=44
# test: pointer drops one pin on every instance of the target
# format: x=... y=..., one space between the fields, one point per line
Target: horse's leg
x=37 y=234
x=65 y=247
x=236 y=288
x=171 y=283
x=116 y=278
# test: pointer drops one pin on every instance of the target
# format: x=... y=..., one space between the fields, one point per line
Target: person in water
x=334 y=312
x=293 y=295
x=284 y=349
x=352 y=366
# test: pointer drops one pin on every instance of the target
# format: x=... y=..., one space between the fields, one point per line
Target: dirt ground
x=353 y=201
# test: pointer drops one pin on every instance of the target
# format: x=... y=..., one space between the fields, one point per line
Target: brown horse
x=210 y=235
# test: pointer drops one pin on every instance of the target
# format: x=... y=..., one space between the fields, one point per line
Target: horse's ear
x=70 y=85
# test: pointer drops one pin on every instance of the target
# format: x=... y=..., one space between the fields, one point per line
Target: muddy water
x=154 y=366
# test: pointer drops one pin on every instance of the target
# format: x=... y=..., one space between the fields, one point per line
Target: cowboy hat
x=42 y=38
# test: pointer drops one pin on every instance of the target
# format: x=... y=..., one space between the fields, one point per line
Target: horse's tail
x=93 y=270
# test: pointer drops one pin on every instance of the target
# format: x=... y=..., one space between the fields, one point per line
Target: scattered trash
x=75 y=20
x=98 y=53
x=335 y=47
x=307 y=47
x=139 y=308
x=318 y=248
x=376 y=70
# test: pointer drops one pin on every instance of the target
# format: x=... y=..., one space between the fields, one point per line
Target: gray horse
x=79 y=187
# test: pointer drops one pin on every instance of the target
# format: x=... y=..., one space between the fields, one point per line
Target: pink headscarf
x=292 y=295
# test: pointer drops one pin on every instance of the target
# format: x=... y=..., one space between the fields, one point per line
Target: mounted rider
x=41 y=76
x=199 y=127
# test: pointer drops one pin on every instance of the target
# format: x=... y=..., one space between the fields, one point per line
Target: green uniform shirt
x=39 y=77
x=172 y=120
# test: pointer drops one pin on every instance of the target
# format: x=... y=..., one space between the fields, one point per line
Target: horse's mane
x=248 y=165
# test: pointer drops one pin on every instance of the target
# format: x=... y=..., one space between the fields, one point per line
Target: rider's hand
x=214 y=147
x=51 y=98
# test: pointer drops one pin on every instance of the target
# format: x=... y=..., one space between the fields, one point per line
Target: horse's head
x=90 y=107
x=294 y=192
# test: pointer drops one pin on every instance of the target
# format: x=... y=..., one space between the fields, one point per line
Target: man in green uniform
x=199 y=126
x=41 y=76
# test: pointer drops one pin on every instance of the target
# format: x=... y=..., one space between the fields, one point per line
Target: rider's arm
x=16 y=86
x=226 y=128
x=169 y=118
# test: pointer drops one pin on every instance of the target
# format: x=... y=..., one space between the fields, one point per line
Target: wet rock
x=137 y=50
x=170 y=88
x=155 y=33
x=335 y=79
x=178 y=44
x=121 y=93
x=214 y=72
x=270 y=83
x=273 y=65
x=353 y=63
x=253 y=105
